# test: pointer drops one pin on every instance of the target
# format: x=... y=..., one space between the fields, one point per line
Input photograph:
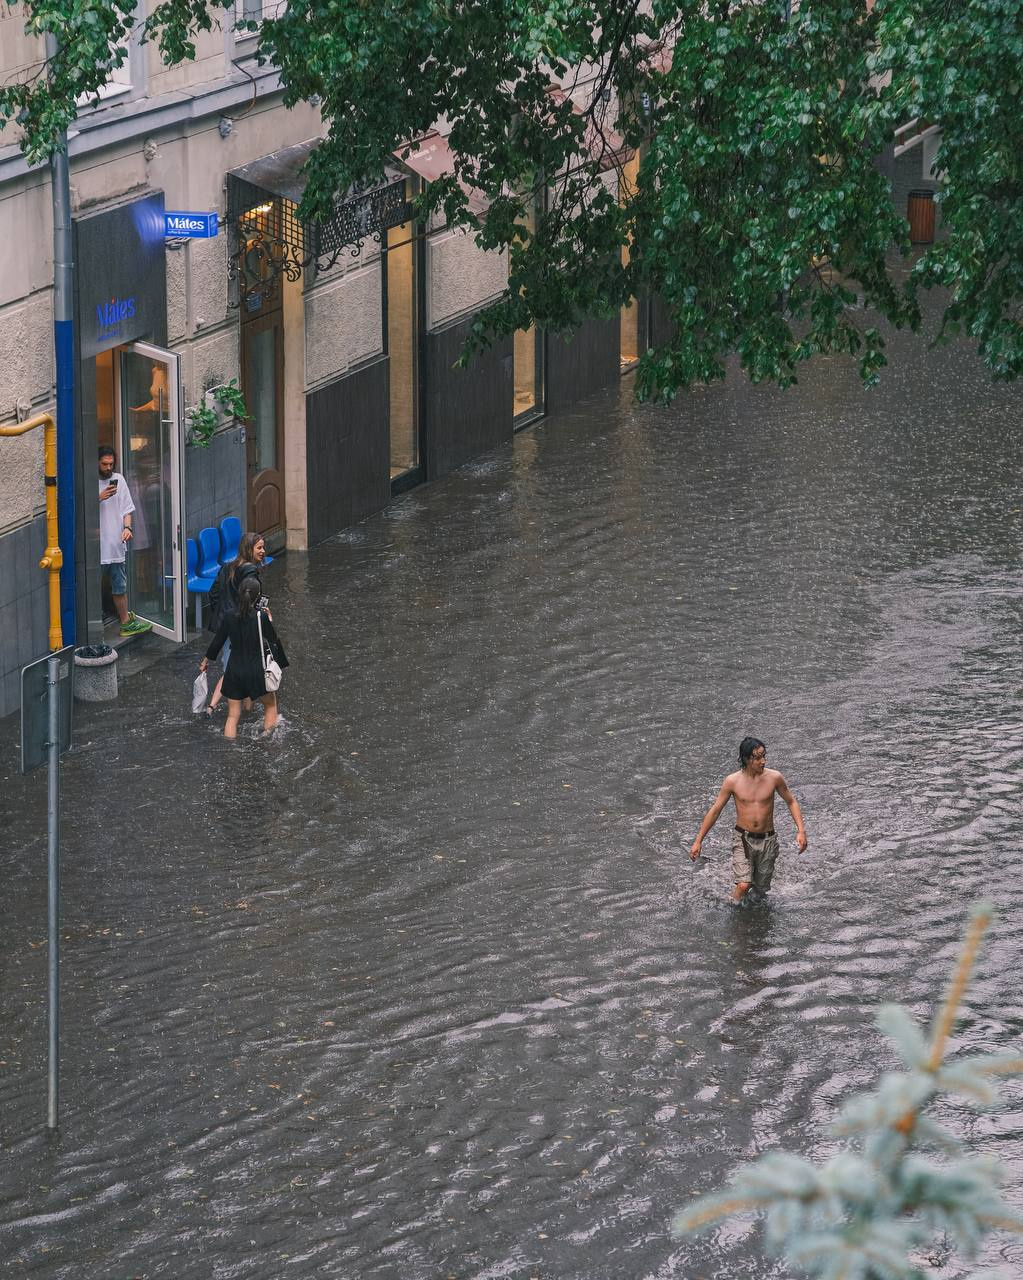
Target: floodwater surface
x=426 y=985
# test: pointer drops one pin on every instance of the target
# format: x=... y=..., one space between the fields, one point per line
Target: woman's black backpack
x=219 y=598
x=223 y=595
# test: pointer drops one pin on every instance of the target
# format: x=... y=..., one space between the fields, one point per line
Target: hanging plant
x=204 y=419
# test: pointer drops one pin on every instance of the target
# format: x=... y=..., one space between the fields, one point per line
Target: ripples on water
x=425 y=985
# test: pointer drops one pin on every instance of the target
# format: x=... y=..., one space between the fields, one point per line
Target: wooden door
x=263 y=388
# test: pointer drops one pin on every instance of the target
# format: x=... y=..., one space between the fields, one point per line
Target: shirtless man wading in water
x=754 y=843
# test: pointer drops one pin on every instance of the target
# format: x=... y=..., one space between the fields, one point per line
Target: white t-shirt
x=111 y=520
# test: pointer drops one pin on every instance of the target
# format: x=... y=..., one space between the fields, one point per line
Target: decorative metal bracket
x=269 y=240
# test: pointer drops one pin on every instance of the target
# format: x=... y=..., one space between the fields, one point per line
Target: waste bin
x=95 y=673
x=920 y=214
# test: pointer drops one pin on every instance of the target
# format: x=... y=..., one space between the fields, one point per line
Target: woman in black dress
x=247 y=563
x=244 y=677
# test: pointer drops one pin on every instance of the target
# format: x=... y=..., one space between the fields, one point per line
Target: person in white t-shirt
x=115 y=517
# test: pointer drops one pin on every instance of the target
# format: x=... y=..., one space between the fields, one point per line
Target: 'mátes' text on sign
x=199 y=226
x=110 y=316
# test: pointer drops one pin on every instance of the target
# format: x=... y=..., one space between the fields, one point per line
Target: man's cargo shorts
x=753 y=858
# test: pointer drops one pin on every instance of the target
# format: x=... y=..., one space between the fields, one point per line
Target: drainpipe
x=64 y=360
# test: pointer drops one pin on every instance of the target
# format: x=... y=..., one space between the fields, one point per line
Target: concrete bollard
x=96 y=673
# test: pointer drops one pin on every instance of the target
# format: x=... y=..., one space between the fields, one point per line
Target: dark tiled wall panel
x=583 y=363
x=24 y=607
x=348 y=451
x=215 y=482
x=468 y=411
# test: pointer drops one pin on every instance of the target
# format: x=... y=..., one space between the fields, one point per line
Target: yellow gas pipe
x=53 y=557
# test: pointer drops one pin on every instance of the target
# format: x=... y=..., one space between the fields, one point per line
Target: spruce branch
x=866 y=1214
x=980 y=920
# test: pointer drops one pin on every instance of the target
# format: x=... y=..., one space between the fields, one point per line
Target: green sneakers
x=135 y=626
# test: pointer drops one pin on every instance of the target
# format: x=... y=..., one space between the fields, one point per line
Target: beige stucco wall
x=26 y=245
x=461 y=277
x=26 y=374
x=19 y=53
x=343 y=324
x=209 y=361
x=98 y=179
x=22 y=492
x=197 y=295
x=177 y=295
x=21 y=56
x=26 y=352
x=209 y=63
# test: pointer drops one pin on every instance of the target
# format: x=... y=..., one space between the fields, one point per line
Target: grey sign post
x=47 y=698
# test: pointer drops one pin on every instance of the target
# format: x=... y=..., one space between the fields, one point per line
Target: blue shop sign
x=196 y=226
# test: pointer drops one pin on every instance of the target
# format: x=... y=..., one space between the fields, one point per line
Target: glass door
x=152 y=436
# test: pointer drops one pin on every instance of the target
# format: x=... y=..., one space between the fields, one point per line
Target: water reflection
x=426 y=985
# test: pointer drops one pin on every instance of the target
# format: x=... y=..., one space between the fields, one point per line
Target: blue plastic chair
x=209 y=552
x=230 y=536
x=197 y=584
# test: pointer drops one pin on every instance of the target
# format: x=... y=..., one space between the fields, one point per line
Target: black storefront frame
x=120 y=297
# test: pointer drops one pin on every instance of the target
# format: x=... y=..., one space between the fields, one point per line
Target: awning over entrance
x=605 y=146
x=270 y=238
x=431 y=157
x=281 y=173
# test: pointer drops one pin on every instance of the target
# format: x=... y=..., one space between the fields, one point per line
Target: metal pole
x=64 y=362
x=53 y=891
x=64 y=359
x=51 y=562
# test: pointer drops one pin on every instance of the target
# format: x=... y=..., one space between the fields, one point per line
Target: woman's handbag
x=272 y=672
x=200 y=688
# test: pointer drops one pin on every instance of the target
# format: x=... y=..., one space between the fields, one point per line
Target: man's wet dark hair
x=746 y=748
x=105 y=451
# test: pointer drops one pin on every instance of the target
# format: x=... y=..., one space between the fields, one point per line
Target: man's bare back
x=752 y=790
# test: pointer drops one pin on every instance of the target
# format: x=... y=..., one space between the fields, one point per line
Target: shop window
x=528 y=361
x=528 y=373
x=633 y=327
x=401 y=286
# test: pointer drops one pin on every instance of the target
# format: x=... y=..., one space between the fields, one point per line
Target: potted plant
x=219 y=402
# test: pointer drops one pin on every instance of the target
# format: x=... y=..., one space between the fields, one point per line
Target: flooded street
x=427 y=986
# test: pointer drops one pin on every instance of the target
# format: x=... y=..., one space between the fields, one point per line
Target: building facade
x=342 y=338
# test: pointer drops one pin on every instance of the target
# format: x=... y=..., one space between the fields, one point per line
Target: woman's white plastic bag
x=199 y=691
